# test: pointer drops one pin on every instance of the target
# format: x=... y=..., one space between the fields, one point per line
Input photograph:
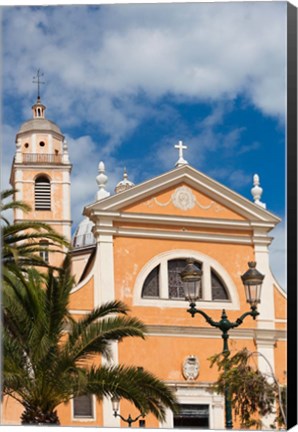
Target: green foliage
x=21 y=241
x=251 y=394
x=49 y=358
x=281 y=409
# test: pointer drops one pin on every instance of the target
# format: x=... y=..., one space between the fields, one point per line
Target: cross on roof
x=181 y=161
x=38 y=82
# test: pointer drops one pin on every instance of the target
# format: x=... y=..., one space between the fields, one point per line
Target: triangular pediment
x=183 y=191
x=182 y=200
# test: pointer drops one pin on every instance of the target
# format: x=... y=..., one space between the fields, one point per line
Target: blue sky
x=126 y=82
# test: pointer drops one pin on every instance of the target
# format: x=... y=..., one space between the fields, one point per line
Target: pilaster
x=266 y=307
x=104 y=291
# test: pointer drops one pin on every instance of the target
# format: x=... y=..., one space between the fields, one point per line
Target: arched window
x=164 y=281
x=42 y=193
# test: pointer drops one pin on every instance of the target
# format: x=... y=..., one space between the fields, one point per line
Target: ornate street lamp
x=129 y=420
x=252 y=281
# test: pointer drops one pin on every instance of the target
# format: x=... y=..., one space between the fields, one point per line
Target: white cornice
x=32 y=166
x=180 y=235
x=47 y=221
x=157 y=219
x=58 y=182
x=209 y=332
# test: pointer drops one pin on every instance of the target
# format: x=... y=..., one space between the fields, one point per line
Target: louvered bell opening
x=83 y=406
x=42 y=194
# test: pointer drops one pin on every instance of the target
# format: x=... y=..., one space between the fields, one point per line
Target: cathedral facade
x=132 y=246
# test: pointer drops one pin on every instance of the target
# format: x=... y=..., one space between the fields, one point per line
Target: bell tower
x=41 y=174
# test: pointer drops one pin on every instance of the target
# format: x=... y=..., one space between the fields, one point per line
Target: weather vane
x=36 y=80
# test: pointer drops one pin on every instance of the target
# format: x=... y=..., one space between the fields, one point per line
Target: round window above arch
x=159 y=283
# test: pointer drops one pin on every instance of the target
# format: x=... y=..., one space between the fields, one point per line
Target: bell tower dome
x=41 y=174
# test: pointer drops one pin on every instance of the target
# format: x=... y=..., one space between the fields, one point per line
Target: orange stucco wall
x=83 y=299
x=131 y=254
x=161 y=203
x=280 y=302
x=27 y=146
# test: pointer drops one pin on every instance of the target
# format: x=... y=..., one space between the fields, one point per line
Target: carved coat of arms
x=191 y=368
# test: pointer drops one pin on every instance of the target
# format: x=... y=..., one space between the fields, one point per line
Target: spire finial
x=101 y=180
x=38 y=108
x=36 y=80
x=181 y=161
x=124 y=184
x=257 y=191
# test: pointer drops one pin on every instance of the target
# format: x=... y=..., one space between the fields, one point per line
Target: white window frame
x=198 y=395
x=45 y=255
x=82 y=418
x=208 y=262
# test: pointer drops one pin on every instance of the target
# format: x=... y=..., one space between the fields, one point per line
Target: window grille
x=219 y=291
x=42 y=193
x=175 y=267
x=151 y=284
x=83 y=406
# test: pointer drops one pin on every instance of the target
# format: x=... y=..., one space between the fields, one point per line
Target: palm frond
x=95 y=337
x=45 y=349
x=141 y=388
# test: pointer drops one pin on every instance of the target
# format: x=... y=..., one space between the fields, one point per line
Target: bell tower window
x=44 y=253
x=42 y=193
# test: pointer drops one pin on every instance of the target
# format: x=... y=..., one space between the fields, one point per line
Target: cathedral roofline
x=191 y=177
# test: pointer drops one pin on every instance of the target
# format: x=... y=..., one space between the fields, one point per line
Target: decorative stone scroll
x=191 y=368
x=183 y=198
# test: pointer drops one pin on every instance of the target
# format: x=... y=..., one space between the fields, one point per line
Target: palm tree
x=47 y=354
x=21 y=245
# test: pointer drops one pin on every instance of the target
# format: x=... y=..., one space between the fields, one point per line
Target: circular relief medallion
x=191 y=368
x=183 y=198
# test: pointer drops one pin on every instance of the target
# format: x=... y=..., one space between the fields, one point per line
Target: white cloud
x=85 y=155
x=8 y=150
x=278 y=254
x=98 y=61
x=106 y=67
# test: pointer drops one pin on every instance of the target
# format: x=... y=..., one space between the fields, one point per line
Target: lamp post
x=129 y=420
x=252 y=280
